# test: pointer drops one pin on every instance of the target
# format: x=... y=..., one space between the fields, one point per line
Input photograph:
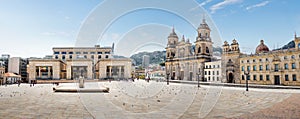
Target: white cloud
x=200 y=5
x=205 y=2
x=222 y=4
x=264 y=3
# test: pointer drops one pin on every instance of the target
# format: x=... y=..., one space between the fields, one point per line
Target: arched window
x=206 y=34
x=207 y=50
x=299 y=45
x=168 y=54
x=199 y=50
x=200 y=34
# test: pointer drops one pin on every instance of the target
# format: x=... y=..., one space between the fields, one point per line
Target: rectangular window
x=248 y=77
x=85 y=52
x=254 y=77
x=267 y=67
x=294 y=77
x=286 y=66
x=243 y=78
x=276 y=66
x=56 y=53
x=293 y=66
x=217 y=72
x=286 y=77
x=213 y=72
x=99 y=52
x=260 y=67
x=205 y=72
x=70 y=52
x=268 y=77
x=92 y=52
x=254 y=68
x=63 y=52
x=261 y=77
x=107 y=52
x=248 y=68
x=78 y=52
x=242 y=68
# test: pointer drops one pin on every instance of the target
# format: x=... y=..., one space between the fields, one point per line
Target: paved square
x=140 y=99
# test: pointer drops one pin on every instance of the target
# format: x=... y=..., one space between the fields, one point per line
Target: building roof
x=204 y=25
x=261 y=48
x=173 y=34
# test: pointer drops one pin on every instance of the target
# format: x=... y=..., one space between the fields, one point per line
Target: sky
x=31 y=28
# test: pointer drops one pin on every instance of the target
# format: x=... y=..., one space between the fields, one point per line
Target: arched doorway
x=230 y=78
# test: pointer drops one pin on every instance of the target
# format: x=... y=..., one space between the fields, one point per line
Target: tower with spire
x=203 y=44
x=171 y=47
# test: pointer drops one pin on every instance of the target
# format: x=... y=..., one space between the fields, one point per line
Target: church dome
x=261 y=48
x=173 y=34
x=204 y=25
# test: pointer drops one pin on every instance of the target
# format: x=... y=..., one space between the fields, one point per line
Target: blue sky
x=32 y=28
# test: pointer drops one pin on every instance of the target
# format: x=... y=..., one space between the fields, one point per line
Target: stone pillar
x=39 y=71
x=110 y=69
x=119 y=74
x=69 y=71
x=48 y=72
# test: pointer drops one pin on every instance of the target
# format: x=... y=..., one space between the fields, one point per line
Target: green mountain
x=158 y=57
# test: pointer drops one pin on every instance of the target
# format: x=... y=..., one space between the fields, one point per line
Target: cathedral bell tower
x=203 y=47
x=171 y=47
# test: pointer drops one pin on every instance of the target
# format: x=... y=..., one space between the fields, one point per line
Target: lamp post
x=198 y=74
x=168 y=78
x=247 y=74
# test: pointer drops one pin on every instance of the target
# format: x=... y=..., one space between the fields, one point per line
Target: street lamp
x=246 y=74
x=168 y=78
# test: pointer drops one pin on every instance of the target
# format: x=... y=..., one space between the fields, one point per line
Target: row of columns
x=119 y=73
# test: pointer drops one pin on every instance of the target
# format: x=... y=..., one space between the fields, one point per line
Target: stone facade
x=183 y=62
x=75 y=62
x=36 y=66
x=276 y=67
x=114 y=68
x=2 y=71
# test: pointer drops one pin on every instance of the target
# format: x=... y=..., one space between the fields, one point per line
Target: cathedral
x=185 y=61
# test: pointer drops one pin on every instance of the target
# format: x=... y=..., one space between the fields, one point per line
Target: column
x=110 y=68
x=49 y=72
x=119 y=73
x=39 y=71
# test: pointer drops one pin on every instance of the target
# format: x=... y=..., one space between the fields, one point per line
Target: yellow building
x=276 y=67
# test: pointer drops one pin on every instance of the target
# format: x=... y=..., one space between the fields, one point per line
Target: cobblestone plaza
x=140 y=99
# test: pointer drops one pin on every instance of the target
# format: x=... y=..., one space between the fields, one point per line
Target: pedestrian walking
x=19 y=82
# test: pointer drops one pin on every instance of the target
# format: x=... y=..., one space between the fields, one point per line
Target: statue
x=81 y=80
